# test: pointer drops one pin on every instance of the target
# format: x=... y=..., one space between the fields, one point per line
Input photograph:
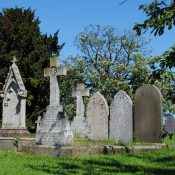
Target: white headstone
x=14 y=104
x=54 y=128
x=121 y=119
x=97 y=117
x=14 y=100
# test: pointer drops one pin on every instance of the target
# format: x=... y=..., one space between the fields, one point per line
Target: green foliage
x=109 y=60
x=20 y=36
x=161 y=15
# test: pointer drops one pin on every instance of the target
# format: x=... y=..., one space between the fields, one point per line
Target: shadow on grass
x=104 y=165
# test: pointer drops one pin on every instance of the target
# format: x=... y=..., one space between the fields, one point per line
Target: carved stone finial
x=14 y=59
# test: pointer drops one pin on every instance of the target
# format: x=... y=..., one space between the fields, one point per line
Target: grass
x=84 y=141
x=152 y=163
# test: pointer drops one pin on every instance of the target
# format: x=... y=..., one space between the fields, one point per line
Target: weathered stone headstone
x=80 y=124
x=170 y=124
x=148 y=114
x=54 y=128
x=14 y=105
x=121 y=118
x=97 y=117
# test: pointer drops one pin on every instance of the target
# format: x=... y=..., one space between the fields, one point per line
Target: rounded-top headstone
x=97 y=117
x=121 y=119
x=170 y=124
x=148 y=114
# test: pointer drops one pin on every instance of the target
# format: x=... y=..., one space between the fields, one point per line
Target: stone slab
x=97 y=117
x=148 y=114
x=121 y=118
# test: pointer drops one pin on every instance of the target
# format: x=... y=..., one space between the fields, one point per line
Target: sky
x=72 y=16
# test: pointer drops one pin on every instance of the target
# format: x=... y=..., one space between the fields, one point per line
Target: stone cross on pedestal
x=54 y=71
x=79 y=93
x=54 y=128
x=80 y=124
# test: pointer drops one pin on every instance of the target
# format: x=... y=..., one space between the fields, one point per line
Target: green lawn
x=152 y=163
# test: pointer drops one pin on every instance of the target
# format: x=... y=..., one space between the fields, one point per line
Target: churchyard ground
x=153 y=163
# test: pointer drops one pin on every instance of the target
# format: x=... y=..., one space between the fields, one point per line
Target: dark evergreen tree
x=20 y=36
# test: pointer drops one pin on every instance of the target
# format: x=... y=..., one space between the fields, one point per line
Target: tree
x=20 y=36
x=108 y=59
x=161 y=15
x=110 y=62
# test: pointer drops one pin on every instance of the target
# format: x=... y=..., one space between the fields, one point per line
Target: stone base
x=14 y=133
x=54 y=138
x=80 y=125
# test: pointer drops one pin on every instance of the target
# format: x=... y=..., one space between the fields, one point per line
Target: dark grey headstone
x=148 y=114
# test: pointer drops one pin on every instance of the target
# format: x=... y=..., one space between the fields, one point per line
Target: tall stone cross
x=79 y=92
x=54 y=71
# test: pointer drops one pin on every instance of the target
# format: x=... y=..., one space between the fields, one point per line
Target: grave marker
x=54 y=127
x=148 y=114
x=121 y=119
x=97 y=117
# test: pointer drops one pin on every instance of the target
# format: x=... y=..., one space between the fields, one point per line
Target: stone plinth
x=14 y=133
x=80 y=125
x=54 y=128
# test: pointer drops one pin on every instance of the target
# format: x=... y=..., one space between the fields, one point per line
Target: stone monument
x=54 y=128
x=97 y=117
x=14 y=105
x=80 y=124
x=121 y=118
x=148 y=114
x=170 y=124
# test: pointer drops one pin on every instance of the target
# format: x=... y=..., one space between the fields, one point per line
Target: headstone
x=54 y=128
x=79 y=123
x=170 y=124
x=121 y=119
x=148 y=114
x=14 y=105
x=97 y=117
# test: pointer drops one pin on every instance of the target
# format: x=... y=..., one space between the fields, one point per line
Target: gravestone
x=79 y=123
x=170 y=124
x=121 y=119
x=14 y=105
x=148 y=114
x=54 y=128
x=97 y=117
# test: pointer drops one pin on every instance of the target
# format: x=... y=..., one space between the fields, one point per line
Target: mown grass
x=84 y=141
x=152 y=163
